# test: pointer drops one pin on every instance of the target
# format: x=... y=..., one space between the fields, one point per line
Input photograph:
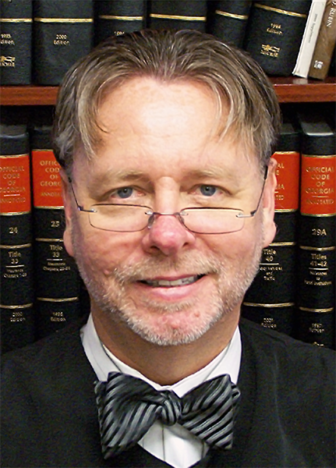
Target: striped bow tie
x=128 y=407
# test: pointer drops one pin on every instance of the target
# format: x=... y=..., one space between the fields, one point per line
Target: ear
x=269 y=204
x=68 y=212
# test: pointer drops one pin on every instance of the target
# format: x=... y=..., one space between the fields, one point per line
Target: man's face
x=161 y=148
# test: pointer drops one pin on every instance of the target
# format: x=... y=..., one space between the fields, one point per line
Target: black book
x=117 y=17
x=270 y=301
x=227 y=20
x=316 y=289
x=17 y=287
x=57 y=278
x=178 y=14
x=63 y=32
x=274 y=33
x=16 y=19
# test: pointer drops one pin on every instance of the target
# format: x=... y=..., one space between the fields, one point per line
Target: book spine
x=316 y=293
x=325 y=44
x=16 y=19
x=274 y=33
x=227 y=20
x=17 y=287
x=181 y=14
x=116 y=18
x=270 y=301
x=57 y=280
x=63 y=32
x=309 y=38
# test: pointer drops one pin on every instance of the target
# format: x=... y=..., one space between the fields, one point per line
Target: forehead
x=149 y=123
x=150 y=102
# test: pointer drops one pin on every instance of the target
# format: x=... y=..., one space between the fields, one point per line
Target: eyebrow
x=214 y=173
x=119 y=176
x=131 y=175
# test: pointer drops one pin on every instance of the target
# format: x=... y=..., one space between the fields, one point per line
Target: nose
x=167 y=234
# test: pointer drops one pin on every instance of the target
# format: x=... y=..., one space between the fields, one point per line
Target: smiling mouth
x=174 y=283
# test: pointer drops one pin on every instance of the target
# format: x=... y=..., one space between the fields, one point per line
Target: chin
x=172 y=324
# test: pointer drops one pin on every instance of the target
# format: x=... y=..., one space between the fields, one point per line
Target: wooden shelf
x=293 y=89
x=28 y=95
x=288 y=89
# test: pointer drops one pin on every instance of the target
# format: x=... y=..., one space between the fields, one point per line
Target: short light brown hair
x=234 y=77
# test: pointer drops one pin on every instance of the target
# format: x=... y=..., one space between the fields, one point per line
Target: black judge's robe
x=286 y=418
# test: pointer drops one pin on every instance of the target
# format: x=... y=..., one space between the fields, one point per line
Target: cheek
x=237 y=245
x=104 y=251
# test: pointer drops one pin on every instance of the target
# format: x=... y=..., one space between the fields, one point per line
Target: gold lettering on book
x=7 y=61
x=6 y=39
x=55 y=261
x=14 y=266
x=268 y=322
x=319 y=266
x=316 y=328
x=13 y=230
x=61 y=40
x=318 y=232
x=275 y=29
x=57 y=317
x=269 y=50
x=270 y=264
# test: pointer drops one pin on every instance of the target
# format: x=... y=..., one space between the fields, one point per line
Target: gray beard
x=110 y=295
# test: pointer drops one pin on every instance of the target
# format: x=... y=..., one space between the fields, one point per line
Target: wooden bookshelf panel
x=28 y=95
x=288 y=89
x=293 y=89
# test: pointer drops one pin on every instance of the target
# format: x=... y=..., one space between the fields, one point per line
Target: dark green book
x=178 y=14
x=63 y=32
x=116 y=17
x=274 y=33
x=228 y=19
x=316 y=289
x=56 y=274
x=17 y=285
x=270 y=301
x=16 y=21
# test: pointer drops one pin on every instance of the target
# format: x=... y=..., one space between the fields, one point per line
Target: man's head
x=176 y=129
x=235 y=79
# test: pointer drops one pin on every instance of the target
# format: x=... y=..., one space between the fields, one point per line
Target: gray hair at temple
x=235 y=78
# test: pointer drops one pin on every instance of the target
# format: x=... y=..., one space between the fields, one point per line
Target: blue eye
x=208 y=190
x=124 y=192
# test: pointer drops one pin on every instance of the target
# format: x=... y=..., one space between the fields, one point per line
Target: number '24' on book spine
x=17 y=283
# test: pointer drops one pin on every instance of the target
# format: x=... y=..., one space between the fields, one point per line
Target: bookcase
x=292 y=92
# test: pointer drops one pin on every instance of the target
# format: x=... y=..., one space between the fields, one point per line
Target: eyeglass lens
x=125 y=218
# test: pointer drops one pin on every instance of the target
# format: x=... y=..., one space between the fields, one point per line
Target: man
x=165 y=142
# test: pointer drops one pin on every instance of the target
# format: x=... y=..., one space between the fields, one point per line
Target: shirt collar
x=103 y=362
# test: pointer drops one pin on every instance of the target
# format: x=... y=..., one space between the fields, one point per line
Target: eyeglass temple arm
x=79 y=207
x=252 y=213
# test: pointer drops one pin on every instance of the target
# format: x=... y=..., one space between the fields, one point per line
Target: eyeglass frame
x=178 y=215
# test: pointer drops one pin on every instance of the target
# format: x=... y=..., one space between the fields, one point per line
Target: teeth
x=167 y=284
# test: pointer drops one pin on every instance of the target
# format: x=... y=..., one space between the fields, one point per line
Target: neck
x=164 y=365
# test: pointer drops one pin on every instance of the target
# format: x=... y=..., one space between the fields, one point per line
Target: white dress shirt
x=172 y=444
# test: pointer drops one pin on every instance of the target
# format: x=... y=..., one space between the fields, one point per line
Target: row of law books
x=293 y=293
x=41 y=39
x=294 y=290
x=41 y=290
